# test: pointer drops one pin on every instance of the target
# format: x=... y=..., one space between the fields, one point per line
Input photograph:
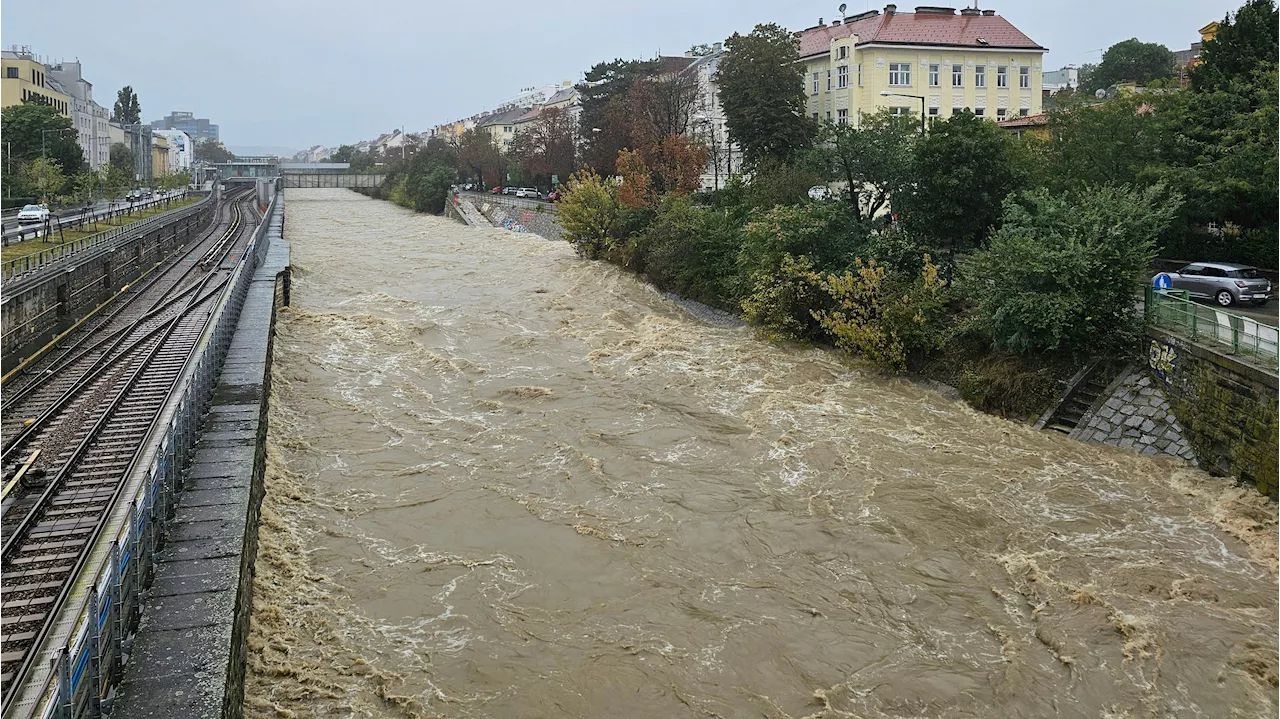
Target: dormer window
x=842 y=52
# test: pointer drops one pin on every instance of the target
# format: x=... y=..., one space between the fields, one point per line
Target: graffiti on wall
x=1162 y=359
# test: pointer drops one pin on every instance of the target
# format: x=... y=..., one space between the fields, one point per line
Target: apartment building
x=26 y=77
x=90 y=119
x=935 y=61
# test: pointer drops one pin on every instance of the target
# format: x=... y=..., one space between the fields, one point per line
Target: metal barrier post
x=91 y=646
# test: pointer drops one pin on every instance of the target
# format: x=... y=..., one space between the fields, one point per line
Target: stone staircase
x=1082 y=394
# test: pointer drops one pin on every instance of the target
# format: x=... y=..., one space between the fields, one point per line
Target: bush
x=882 y=318
x=784 y=302
x=691 y=251
x=590 y=214
x=827 y=233
x=1001 y=384
x=1063 y=273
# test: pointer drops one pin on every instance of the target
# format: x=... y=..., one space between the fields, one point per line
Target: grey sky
x=295 y=73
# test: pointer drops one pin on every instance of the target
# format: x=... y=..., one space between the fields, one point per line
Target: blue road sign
x=1162 y=281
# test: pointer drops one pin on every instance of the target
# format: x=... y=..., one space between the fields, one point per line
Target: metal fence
x=30 y=263
x=1173 y=310
x=82 y=670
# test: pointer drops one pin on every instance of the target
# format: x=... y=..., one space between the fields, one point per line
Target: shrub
x=783 y=301
x=1063 y=273
x=689 y=250
x=590 y=213
x=827 y=233
x=884 y=319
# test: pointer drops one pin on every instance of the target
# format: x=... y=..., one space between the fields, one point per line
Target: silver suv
x=1223 y=282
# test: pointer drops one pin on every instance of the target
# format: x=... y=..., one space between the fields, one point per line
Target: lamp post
x=886 y=93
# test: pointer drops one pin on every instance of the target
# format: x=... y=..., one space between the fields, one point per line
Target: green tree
x=46 y=176
x=1062 y=272
x=1245 y=43
x=122 y=157
x=212 y=151
x=761 y=89
x=604 y=121
x=22 y=126
x=1130 y=61
x=116 y=181
x=1109 y=142
x=127 y=111
x=963 y=168
x=590 y=214
x=85 y=186
x=873 y=162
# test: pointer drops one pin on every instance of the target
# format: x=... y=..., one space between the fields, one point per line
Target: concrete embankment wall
x=512 y=213
x=1227 y=408
x=36 y=308
x=188 y=659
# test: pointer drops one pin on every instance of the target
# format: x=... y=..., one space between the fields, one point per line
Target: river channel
x=506 y=482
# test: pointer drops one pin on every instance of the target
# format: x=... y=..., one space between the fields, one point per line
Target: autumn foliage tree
x=546 y=147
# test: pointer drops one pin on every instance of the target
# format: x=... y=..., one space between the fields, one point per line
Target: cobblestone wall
x=1136 y=415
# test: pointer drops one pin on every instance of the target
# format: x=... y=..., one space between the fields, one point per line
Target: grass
x=58 y=238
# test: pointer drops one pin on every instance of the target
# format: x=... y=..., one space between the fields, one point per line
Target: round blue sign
x=1162 y=281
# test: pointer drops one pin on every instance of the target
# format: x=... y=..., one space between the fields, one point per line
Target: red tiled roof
x=1028 y=121
x=904 y=28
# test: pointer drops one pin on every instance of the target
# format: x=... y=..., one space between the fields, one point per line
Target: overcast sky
x=293 y=73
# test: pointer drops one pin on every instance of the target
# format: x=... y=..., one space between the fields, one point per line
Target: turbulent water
x=505 y=482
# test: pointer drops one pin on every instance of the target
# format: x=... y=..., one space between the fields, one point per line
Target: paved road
x=1268 y=313
x=13 y=232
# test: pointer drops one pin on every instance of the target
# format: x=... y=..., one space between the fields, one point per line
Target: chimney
x=821 y=22
x=988 y=13
x=835 y=23
x=890 y=9
x=970 y=11
x=718 y=46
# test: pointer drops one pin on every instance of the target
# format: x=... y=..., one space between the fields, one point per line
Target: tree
x=963 y=168
x=545 y=148
x=45 y=175
x=22 y=126
x=85 y=186
x=212 y=151
x=1108 y=142
x=604 y=124
x=122 y=157
x=127 y=111
x=660 y=107
x=1130 y=61
x=762 y=93
x=1061 y=273
x=873 y=162
x=115 y=181
x=1244 y=43
x=589 y=214
x=479 y=157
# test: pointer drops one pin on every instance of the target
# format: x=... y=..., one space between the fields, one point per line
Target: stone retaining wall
x=1135 y=415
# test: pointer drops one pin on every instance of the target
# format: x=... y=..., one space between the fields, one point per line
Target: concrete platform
x=188 y=655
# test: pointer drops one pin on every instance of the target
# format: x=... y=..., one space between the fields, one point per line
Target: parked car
x=509 y=190
x=554 y=195
x=33 y=213
x=1225 y=283
x=528 y=193
x=496 y=191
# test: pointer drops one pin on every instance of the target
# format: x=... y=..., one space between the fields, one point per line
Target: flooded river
x=505 y=482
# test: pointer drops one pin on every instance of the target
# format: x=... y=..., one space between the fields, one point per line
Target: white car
x=33 y=213
x=528 y=192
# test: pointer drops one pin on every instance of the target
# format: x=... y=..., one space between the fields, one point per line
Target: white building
x=90 y=118
x=1067 y=77
x=724 y=158
x=181 y=149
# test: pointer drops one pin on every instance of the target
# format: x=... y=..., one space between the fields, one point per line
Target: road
x=1268 y=313
x=13 y=232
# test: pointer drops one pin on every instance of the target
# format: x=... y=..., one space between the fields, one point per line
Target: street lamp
x=886 y=93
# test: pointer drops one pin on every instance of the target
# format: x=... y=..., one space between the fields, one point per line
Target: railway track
x=76 y=422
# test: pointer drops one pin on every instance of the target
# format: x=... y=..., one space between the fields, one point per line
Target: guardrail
x=78 y=217
x=1233 y=334
x=90 y=662
x=20 y=266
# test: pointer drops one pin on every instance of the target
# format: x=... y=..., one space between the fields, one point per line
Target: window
x=957 y=76
x=933 y=112
x=828 y=116
x=1002 y=76
x=859 y=74
x=1023 y=112
x=842 y=117
x=828 y=81
x=933 y=76
x=899 y=73
x=1000 y=113
x=979 y=76
x=815 y=117
x=979 y=111
x=815 y=83
x=1024 y=77
x=842 y=76
x=900 y=111
x=956 y=110
x=1212 y=271
x=11 y=72
x=842 y=52
x=507 y=128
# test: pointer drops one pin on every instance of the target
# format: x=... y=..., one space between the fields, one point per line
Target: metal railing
x=30 y=263
x=83 y=669
x=1230 y=333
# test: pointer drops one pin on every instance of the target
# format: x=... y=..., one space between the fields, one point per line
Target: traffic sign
x=1162 y=281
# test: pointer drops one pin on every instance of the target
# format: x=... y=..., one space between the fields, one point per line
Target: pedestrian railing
x=82 y=671
x=20 y=266
x=1174 y=310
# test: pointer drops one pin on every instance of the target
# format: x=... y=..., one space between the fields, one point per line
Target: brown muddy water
x=505 y=482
